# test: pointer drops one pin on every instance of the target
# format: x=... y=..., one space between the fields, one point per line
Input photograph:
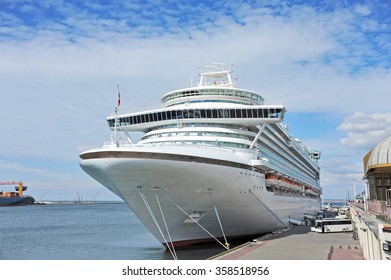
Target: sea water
x=82 y=232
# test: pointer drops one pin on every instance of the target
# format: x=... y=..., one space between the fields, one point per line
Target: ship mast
x=216 y=74
x=114 y=136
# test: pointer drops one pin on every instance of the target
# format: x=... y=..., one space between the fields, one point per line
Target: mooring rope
x=155 y=221
x=180 y=208
x=218 y=219
x=165 y=224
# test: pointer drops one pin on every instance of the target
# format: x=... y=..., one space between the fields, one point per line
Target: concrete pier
x=372 y=241
x=298 y=243
x=374 y=233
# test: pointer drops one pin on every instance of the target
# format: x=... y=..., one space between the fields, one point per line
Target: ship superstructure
x=215 y=162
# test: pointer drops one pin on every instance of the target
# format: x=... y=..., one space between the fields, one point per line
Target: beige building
x=377 y=175
x=373 y=220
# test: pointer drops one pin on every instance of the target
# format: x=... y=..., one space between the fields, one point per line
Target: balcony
x=379 y=208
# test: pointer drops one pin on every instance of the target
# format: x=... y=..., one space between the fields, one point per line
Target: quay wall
x=373 y=233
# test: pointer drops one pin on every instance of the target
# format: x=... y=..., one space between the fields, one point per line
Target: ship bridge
x=144 y=121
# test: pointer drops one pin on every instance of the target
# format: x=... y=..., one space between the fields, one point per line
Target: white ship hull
x=208 y=192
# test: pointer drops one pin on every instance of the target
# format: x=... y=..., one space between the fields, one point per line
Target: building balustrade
x=379 y=207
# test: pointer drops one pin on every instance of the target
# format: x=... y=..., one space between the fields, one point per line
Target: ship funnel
x=20 y=188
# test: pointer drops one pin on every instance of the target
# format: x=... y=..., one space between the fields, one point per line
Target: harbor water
x=83 y=232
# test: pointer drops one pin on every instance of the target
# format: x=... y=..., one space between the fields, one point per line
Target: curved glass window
x=220 y=92
x=199 y=114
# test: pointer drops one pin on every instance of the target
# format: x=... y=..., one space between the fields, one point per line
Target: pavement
x=298 y=243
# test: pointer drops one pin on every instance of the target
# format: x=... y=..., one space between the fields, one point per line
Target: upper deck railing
x=216 y=84
x=212 y=94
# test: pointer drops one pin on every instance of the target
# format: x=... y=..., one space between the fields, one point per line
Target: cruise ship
x=215 y=163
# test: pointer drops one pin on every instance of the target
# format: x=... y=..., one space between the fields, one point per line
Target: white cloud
x=365 y=130
x=363 y=10
x=19 y=167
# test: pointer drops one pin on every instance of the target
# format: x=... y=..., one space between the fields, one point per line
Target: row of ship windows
x=277 y=143
x=207 y=143
x=198 y=113
x=199 y=133
x=280 y=163
x=221 y=92
x=222 y=125
x=181 y=102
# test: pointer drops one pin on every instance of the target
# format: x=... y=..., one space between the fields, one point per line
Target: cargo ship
x=17 y=197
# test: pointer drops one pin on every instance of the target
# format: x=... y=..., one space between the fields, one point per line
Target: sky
x=328 y=62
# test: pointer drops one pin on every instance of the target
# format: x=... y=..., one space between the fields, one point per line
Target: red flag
x=119 y=97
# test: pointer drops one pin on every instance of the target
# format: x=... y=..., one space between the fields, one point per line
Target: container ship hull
x=16 y=201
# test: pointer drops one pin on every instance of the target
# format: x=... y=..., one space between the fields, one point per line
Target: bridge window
x=249 y=113
x=199 y=113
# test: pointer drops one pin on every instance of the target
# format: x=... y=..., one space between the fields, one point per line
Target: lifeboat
x=279 y=181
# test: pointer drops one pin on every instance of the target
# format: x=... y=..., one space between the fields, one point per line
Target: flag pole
x=115 y=139
x=119 y=97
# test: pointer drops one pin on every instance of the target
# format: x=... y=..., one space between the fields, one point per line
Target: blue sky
x=60 y=63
